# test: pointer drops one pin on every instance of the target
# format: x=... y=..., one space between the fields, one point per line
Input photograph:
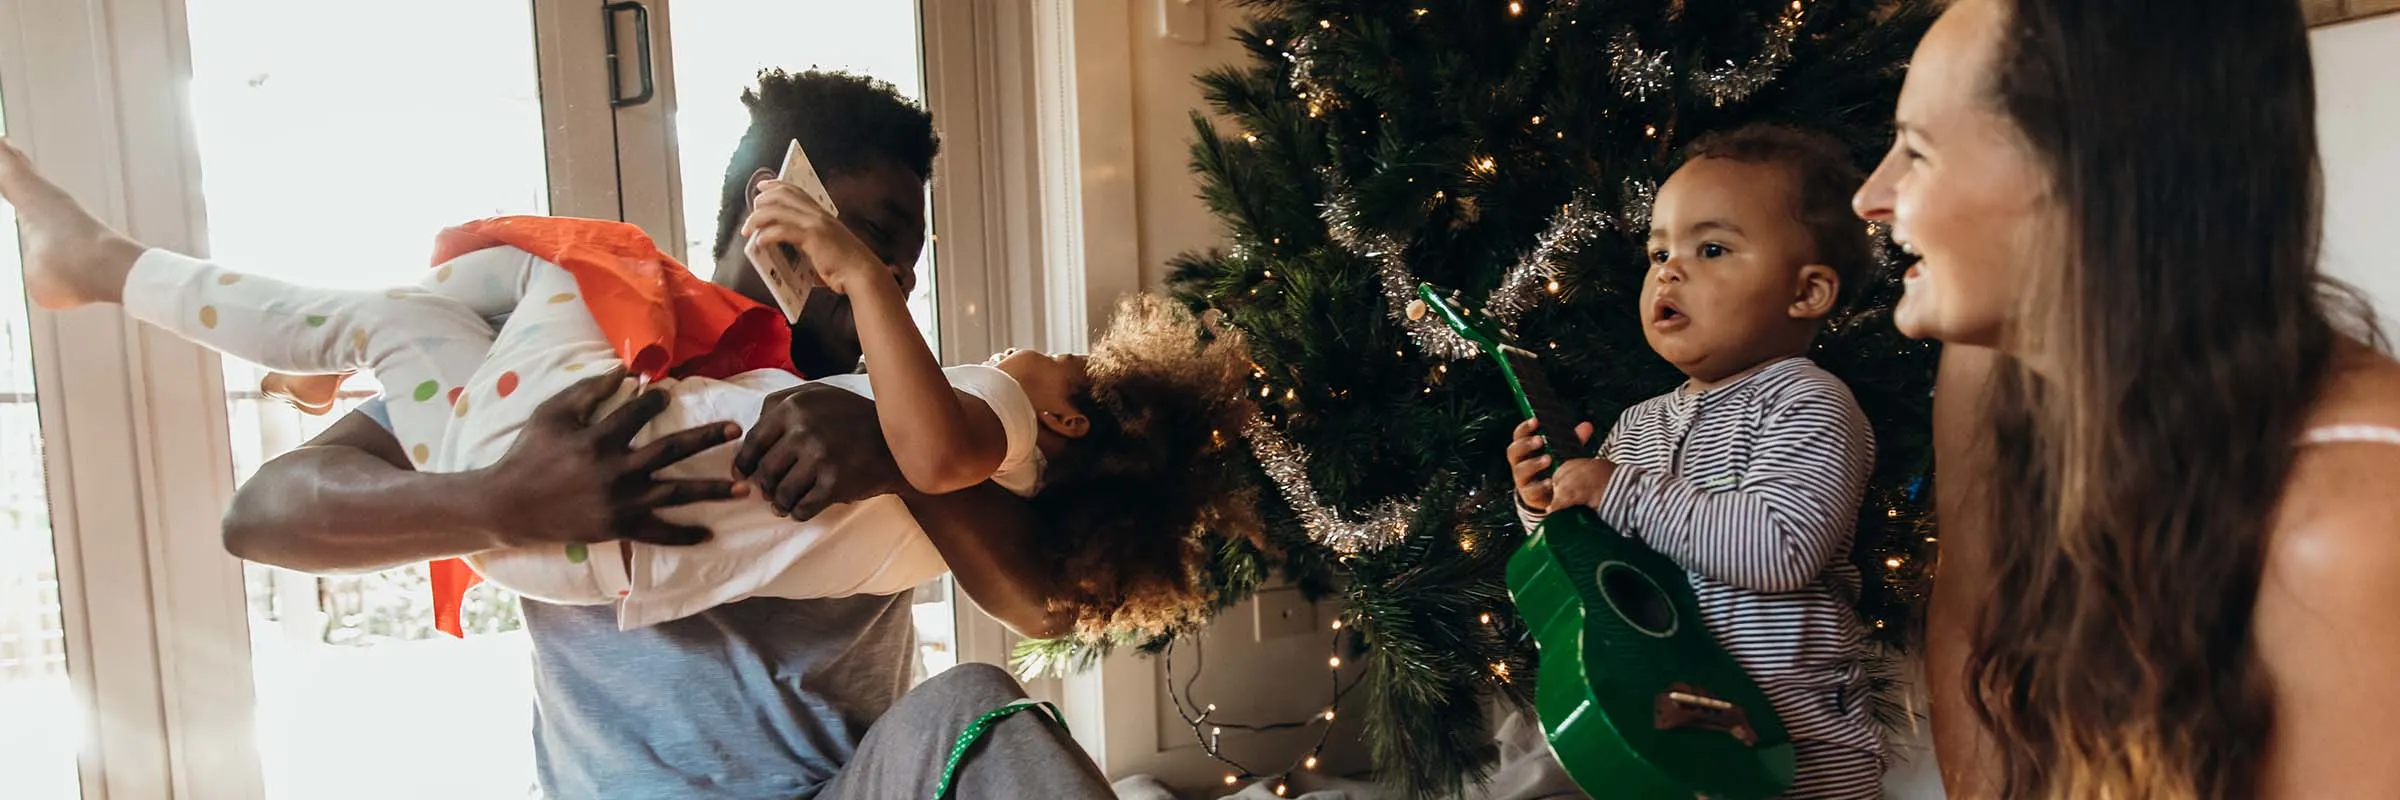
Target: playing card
x=779 y=267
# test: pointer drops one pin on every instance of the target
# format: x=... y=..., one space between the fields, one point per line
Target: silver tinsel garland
x=1303 y=58
x=1287 y=464
x=1306 y=81
x=1637 y=195
x=1399 y=285
x=1639 y=71
x=1576 y=225
x=1733 y=83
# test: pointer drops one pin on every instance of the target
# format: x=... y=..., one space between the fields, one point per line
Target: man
x=764 y=698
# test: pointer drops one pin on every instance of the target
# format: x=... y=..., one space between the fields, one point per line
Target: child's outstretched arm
x=1773 y=527
x=942 y=440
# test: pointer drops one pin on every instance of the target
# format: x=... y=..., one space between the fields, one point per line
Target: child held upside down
x=1106 y=446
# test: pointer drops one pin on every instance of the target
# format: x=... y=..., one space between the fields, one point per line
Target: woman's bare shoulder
x=2324 y=628
x=2340 y=509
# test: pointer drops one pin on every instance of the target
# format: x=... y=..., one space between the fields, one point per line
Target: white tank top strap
x=2352 y=434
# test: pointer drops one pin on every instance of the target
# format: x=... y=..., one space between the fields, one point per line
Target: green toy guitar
x=1635 y=695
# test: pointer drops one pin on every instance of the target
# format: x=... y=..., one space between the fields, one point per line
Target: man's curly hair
x=1126 y=509
x=845 y=121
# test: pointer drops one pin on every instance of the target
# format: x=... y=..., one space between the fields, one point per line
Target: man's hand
x=815 y=446
x=569 y=480
x=1526 y=462
x=1580 y=482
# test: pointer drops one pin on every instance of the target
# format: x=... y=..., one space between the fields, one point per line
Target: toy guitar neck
x=1523 y=370
x=1635 y=696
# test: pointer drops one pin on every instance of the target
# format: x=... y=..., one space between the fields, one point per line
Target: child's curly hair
x=1126 y=511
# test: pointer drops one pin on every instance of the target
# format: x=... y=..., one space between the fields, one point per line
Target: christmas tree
x=1507 y=152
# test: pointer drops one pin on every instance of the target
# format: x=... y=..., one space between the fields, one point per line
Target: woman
x=2171 y=490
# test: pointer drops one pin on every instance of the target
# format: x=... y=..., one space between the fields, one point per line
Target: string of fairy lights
x=1209 y=731
x=1199 y=717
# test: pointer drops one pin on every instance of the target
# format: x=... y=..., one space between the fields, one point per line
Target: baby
x=1107 y=442
x=1750 y=474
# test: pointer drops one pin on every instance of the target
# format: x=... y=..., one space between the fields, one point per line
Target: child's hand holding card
x=779 y=265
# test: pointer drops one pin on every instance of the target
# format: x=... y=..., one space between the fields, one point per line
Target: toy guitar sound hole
x=1637 y=599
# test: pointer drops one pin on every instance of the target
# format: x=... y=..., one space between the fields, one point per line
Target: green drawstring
x=983 y=724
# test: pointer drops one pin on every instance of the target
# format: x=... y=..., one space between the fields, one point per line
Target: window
x=37 y=745
x=324 y=162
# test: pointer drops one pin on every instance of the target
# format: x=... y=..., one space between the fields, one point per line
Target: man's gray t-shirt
x=762 y=698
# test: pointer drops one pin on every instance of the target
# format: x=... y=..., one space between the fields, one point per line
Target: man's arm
x=985 y=533
x=815 y=446
x=349 y=502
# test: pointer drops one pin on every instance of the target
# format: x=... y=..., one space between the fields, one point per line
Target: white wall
x=2358 y=118
x=1165 y=92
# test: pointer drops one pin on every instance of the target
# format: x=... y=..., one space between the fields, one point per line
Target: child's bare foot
x=312 y=394
x=71 y=259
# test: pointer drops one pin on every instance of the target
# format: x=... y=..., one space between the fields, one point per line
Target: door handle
x=641 y=20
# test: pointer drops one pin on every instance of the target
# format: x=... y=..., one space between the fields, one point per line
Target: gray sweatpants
x=1023 y=756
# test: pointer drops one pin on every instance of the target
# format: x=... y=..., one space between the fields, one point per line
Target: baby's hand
x=1580 y=482
x=784 y=215
x=1526 y=462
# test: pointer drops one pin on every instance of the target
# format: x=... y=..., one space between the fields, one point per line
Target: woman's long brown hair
x=2165 y=361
